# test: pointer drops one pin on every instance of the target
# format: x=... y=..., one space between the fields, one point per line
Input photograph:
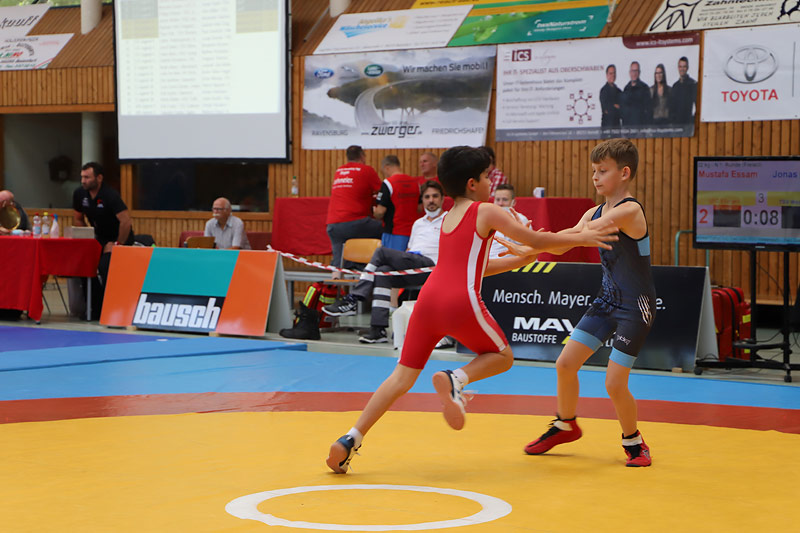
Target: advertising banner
x=404 y=99
x=618 y=87
x=682 y=15
x=538 y=307
x=196 y=290
x=496 y=22
x=393 y=30
x=751 y=74
x=17 y=21
x=33 y=52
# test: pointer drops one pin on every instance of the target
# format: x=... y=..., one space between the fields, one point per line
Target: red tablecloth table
x=555 y=214
x=298 y=225
x=26 y=262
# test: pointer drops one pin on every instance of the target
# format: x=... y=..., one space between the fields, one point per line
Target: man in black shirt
x=683 y=95
x=637 y=108
x=609 y=99
x=105 y=211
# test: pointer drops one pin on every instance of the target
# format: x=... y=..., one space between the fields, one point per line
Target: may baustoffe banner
x=404 y=99
x=751 y=74
x=683 y=15
x=642 y=86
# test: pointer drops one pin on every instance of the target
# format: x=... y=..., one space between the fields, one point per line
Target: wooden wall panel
x=664 y=180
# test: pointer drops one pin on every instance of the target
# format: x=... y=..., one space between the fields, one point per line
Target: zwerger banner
x=589 y=89
x=504 y=21
x=393 y=30
x=32 y=52
x=751 y=74
x=682 y=15
x=405 y=99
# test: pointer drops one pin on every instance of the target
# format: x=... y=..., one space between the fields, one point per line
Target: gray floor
x=345 y=340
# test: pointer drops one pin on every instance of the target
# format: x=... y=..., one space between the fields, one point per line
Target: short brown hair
x=622 y=151
x=431 y=184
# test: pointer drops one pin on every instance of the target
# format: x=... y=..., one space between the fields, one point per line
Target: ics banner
x=409 y=99
x=751 y=74
x=539 y=305
x=196 y=290
x=682 y=15
x=590 y=89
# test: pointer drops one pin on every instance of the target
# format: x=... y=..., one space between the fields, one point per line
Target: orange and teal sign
x=195 y=290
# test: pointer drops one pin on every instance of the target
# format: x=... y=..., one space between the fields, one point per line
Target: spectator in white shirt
x=504 y=197
x=423 y=251
x=227 y=230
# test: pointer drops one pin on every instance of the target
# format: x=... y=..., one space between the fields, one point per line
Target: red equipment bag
x=318 y=296
x=732 y=321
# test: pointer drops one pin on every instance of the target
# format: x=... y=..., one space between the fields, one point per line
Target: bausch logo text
x=168 y=311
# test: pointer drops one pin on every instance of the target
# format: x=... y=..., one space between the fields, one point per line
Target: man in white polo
x=227 y=230
x=423 y=251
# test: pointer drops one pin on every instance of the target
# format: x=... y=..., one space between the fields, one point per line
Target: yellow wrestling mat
x=179 y=472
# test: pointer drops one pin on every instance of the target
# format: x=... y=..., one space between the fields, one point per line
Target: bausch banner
x=408 y=99
x=751 y=74
x=538 y=307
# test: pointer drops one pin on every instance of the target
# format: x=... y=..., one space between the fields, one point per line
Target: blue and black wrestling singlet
x=625 y=305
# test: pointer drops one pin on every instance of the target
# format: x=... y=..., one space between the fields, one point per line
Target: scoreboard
x=747 y=203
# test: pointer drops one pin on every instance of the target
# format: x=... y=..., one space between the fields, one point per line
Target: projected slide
x=201 y=78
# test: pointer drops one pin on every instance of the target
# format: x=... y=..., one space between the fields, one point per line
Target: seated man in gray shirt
x=227 y=230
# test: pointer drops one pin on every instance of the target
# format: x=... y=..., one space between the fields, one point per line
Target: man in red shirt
x=355 y=185
x=397 y=204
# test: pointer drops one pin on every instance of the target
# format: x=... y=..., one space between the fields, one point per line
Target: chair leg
x=44 y=298
x=61 y=294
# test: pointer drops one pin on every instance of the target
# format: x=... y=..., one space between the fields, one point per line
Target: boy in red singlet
x=450 y=301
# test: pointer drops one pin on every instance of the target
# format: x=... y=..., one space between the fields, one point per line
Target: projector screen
x=202 y=79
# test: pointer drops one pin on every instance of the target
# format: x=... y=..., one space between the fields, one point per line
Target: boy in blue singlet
x=624 y=307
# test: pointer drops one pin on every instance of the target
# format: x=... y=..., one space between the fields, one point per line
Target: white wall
x=30 y=142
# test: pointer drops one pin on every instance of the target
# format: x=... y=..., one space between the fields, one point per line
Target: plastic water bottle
x=37 y=226
x=295 y=189
x=46 y=224
x=54 y=228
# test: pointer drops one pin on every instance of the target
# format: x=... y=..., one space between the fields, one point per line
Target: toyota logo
x=751 y=64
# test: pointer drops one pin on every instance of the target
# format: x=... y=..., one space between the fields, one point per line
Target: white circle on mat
x=246 y=507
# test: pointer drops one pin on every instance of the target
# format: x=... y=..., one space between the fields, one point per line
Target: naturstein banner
x=405 y=99
x=682 y=15
x=641 y=86
x=492 y=21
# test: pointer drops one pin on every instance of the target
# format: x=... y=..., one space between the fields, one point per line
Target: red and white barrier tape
x=332 y=268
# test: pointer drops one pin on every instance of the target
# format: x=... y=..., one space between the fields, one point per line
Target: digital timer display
x=747 y=203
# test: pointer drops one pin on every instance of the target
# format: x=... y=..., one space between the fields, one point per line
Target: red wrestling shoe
x=560 y=432
x=637 y=451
